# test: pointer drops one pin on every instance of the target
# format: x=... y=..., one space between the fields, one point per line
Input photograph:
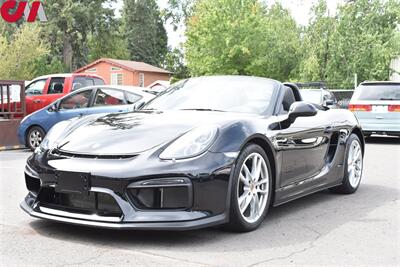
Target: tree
x=174 y=62
x=179 y=11
x=144 y=31
x=70 y=22
x=364 y=41
x=360 y=40
x=241 y=37
x=107 y=41
x=19 y=54
x=278 y=46
x=316 y=47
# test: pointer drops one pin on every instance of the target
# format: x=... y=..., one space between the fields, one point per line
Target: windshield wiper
x=203 y=109
x=389 y=98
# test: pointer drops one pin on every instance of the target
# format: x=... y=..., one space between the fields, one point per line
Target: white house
x=395 y=67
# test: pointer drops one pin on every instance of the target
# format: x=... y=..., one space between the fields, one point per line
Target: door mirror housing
x=301 y=109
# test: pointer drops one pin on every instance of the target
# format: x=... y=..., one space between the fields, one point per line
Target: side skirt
x=312 y=191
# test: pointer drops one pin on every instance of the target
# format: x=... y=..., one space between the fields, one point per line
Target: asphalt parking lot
x=324 y=228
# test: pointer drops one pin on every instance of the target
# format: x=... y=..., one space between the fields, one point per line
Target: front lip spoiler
x=184 y=225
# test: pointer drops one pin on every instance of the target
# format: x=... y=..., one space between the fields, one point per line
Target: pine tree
x=144 y=31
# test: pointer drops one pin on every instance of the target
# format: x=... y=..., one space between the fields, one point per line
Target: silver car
x=320 y=97
x=377 y=107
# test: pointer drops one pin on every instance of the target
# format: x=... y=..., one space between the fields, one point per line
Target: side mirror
x=328 y=102
x=301 y=109
x=53 y=108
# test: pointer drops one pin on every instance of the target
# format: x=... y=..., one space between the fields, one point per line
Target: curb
x=4 y=148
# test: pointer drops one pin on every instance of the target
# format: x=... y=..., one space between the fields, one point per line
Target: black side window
x=288 y=100
x=108 y=97
x=132 y=98
x=80 y=82
x=56 y=86
x=78 y=100
x=98 y=81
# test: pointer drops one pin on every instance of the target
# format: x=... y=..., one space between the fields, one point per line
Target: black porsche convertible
x=207 y=151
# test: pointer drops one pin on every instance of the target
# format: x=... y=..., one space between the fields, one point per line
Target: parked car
x=88 y=100
x=377 y=107
x=208 y=151
x=43 y=90
x=320 y=97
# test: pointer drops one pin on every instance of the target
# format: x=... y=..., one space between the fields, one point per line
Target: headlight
x=191 y=144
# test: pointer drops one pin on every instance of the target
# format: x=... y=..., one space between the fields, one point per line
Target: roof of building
x=64 y=75
x=165 y=84
x=127 y=64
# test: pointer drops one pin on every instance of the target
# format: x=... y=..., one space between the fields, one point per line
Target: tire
x=248 y=192
x=34 y=137
x=352 y=173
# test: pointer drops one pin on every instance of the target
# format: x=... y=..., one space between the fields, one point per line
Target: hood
x=132 y=133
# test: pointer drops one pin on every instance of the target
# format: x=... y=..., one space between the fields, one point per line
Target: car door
x=55 y=90
x=109 y=100
x=73 y=105
x=34 y=93
x=303 y=145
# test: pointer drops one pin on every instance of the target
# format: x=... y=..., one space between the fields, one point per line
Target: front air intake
x=165 y=193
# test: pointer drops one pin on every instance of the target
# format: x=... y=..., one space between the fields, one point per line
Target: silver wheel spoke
x=254 y=206
x=256 y=168
x=247 y=172
x=244 y=179
x=263 y=181
x=262 y=191
x=244 y=202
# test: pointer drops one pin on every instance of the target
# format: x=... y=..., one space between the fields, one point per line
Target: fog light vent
x=166 y=193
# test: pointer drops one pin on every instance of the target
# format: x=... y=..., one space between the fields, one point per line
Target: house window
x=116 y=79
x=115 y=68
x=141 y=79
x=92 y=70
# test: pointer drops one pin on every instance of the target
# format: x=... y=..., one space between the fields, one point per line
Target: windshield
x=313 y=96
x=232 y=94
x=377 y=92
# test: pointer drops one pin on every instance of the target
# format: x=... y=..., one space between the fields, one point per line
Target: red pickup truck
x=43 y=90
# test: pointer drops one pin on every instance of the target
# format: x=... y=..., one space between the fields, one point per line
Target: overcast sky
x=299 y=9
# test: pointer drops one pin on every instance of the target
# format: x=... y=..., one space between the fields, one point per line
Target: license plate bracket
x=72 y=182
x=380 y=108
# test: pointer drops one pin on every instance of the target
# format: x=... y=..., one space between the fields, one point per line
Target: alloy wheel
x=35 y=138
x=354 y=163
x=253 y=188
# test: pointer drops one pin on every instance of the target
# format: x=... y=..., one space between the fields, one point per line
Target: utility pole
x=355 y=80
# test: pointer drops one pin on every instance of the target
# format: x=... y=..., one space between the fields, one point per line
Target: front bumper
x=72 y=218
x=208 y=205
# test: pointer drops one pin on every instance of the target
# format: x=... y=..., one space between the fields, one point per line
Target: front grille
x=91 y=203
x=62 y=153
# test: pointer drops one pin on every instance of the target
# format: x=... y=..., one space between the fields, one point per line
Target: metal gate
x=12 y=110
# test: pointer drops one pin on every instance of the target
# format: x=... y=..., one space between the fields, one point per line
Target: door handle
x=37 y=101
